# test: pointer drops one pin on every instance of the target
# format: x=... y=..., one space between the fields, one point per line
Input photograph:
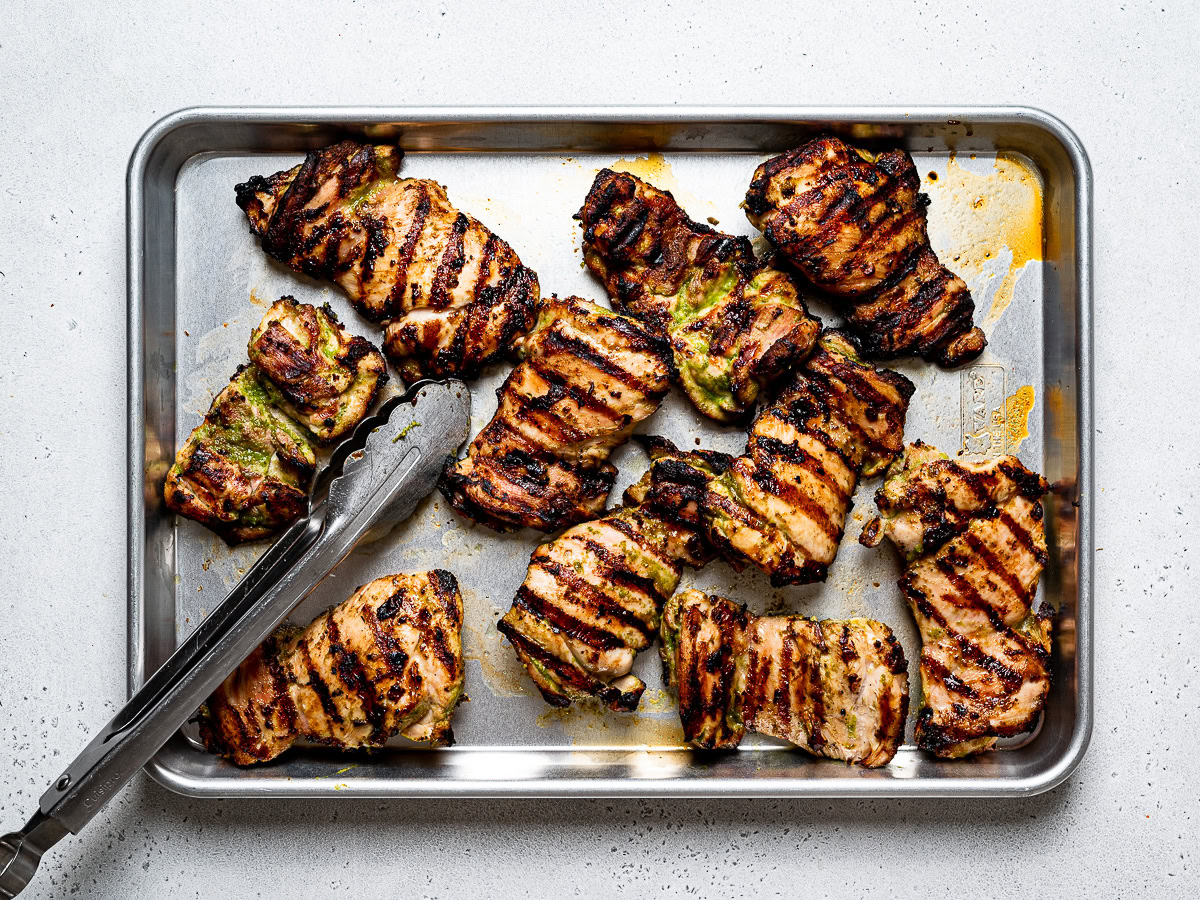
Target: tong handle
x=135 y=733
x=99 y=771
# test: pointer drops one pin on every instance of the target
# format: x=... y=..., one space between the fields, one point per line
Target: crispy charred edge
x=956 y=341
x=354 y=352
x=192 y=459
x=529 y=470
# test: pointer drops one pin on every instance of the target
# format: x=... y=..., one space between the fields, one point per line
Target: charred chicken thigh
x=782 y=505
x=974 y=541
x=387 y=661
x=316 y=371
x=853 y=224
x=451 y=293
x=587 y=378
x=835 y=689
x=591 y=601
x=734 y=323
x=244 y=471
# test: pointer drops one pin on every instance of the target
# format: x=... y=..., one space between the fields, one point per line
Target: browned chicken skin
x=591 y=601
x=587 y=378
x=854 y=225
x=975 y=543
x=452 y=294
x=782 y=505
x=836 y=689
x=387 y=661
x=734 y=323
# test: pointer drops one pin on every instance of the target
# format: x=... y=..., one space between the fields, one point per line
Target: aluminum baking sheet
x=1010 y=194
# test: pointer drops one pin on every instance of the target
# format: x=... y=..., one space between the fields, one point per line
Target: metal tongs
x=374 y=479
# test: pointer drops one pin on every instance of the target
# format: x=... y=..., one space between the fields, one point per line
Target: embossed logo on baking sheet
x=983 y=412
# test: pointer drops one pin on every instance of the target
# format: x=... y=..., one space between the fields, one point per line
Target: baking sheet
x=988 y=221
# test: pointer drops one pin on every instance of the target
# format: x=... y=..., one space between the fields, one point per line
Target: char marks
x=387 y=661
x=592 y=598
x=734 y=323
x=836 y=689
x=974 y=539
x=452 y=295
x=854 y=226
x=782 y=506
x=588 y=377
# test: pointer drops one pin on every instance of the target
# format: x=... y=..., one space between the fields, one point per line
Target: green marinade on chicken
x=245 y=470
x=315 y=370
x=735 y=323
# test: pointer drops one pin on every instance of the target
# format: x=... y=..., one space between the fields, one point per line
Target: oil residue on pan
x=988 y=212
x=1016 y=415
x=589 y=724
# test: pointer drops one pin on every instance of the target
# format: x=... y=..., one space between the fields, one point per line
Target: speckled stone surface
x=81 y=82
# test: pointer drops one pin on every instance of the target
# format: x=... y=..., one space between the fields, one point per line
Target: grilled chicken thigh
x=315 y=370
x=835 y=689
x=782 y=506
x=244 y=471
x=387 y=661
x=452 y=294
x=734 y=323
x=854 y=225
x=592 y=599
x=974 y=541
x=588 y=377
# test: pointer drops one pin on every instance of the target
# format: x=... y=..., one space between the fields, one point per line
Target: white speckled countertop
x=81 y=82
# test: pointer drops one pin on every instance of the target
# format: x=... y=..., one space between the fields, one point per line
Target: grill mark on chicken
x=393 y=651
x=587 y=378
x=836 y=689
x=559 y=387
x=597 y=598
x=270 y=654
x=973 y=537
x=734 y=323
x=317 y=684
x=592 y=635
x=451 y=294
x=244 y=471
x=350 y=672
x=394 y=304
x=767 y=447
x=854 y=226
x=592 y=599
x=779 y=506
x=450 y=265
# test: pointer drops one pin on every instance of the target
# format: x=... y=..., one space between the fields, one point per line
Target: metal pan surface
x=1010 y=212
